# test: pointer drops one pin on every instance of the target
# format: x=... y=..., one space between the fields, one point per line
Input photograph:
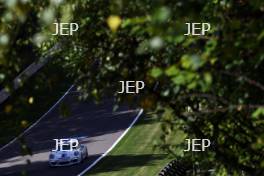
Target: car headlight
x=51 y=156
x=76 y=153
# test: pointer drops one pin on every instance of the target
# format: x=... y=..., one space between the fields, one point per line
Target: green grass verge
x=134 y=155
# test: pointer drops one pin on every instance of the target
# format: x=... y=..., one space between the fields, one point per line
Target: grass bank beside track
x=134 y=155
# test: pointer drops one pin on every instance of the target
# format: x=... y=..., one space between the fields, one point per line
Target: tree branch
x=248 y=80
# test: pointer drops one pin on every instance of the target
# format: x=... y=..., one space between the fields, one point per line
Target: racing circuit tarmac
x=97 y=125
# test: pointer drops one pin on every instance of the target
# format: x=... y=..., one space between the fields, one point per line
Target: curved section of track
x=97 y=126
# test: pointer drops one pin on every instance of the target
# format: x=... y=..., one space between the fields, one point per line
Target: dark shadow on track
x=33 y=168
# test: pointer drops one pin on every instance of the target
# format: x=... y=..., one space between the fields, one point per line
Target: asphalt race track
x=97 y=125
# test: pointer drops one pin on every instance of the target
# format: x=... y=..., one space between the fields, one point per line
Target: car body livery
x=68 y=156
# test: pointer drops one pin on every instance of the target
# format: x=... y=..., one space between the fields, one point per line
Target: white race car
x=66 y=157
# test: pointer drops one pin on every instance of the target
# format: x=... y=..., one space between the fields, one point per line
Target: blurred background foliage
x=208 y=86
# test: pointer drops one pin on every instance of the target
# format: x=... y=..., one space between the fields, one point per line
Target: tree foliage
x=200 y=86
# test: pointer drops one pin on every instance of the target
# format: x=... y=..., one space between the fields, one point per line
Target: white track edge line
x=34 y=124
x=111 y=148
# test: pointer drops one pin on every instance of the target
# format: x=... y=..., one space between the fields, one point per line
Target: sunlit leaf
x=114 y=22
x=156 y=72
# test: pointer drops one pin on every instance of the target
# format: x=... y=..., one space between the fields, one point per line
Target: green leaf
x=192 y=62
x=178 y=80
x=162 y=14
x=208 y=78
x=156 y=72
x=192 y=85
x=258 y=112
x=172 y=71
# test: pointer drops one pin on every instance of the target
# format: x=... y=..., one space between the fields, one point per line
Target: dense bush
x=200 y=86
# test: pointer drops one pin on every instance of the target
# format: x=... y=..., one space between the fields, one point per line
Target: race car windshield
x=65 y=148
